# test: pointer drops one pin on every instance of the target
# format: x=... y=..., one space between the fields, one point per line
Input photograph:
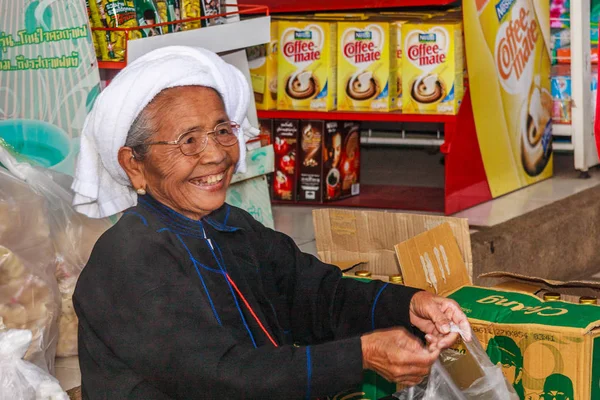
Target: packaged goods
x=211 y=8
x=342 y=162
x=399 y=54
x=148 y=14
x=262 y=60
x=285 y=145
x=114 y=14
x=172 y=13
x=367 y=66
x=94 y=33
x=307 y=67
x=322 y=154
x=547 y=349
x=191 y=9
x=562 y=93
x=432 y=67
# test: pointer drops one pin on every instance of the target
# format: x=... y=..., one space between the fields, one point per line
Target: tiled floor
x=385 y=165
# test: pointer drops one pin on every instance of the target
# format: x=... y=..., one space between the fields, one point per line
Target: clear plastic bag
x=458 y=376
x=19 y=379
x=36 y=213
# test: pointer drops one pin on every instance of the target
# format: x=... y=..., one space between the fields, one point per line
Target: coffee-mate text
x=427 y=54
x=517 y=47
x=301 y=51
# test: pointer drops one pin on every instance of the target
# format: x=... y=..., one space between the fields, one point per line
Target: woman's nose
x=214 y=152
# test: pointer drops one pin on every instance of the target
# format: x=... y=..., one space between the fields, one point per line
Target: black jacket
x=165 y=313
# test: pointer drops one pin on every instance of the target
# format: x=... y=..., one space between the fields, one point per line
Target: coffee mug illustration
x=428 y=89
x=302 y=86
x=536 y=130
x=333 y=183
x=362 y=86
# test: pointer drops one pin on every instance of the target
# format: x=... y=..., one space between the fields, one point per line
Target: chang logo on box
x=427 y=38
x=363 y=35
x=503 y=7
x=303 y=35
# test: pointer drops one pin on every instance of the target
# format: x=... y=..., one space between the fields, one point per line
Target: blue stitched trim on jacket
x=137 y=214
x=375 y=304
x=308 y=372
x=212 y=305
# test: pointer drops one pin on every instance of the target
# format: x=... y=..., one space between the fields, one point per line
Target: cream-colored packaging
x=432 y=67
x=307 y=65
x=262 y=60
x=366 y=66
x=399 y=45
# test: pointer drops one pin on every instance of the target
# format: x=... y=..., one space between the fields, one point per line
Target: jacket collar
x=218 y=219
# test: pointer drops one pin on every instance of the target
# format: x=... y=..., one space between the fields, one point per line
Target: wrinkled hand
x=397 y=355
x=433 y=315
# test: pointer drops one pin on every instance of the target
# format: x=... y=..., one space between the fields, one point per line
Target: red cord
x=251 y=310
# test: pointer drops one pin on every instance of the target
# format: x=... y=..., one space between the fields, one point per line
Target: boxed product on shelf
x=432 y=67
x=191 y=9
x=307 y=67
x=265 y=125
x=285 y=145
x=262 y=60
x=170 y=10
x=547 y=349
x=329 y=160
x=562 y=95
x=367 y=66
x=211 y=8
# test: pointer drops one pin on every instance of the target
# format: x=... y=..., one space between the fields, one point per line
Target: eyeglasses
x=192 y=143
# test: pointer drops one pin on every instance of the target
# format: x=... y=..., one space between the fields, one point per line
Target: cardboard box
x=262 y=61
x=285 y=144
x=547 y=349
x=354 y=236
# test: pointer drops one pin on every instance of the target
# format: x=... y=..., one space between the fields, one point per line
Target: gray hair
x=139 y=134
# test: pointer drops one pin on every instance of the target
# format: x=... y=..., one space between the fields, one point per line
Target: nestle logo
x=426 y=37
x=303 y=35
x=503 y=7
x=363 y=35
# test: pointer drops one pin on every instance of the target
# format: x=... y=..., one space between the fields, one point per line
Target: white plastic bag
x=457 y=376
x=19 y=379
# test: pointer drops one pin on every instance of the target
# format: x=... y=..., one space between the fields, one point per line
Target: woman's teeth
x=209 y=180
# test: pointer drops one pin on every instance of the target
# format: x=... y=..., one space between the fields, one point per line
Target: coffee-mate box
x=432 y=67
x=367 y=66
x=398 y=53
x=307 y=65
x=547 y=349
x=262 y=61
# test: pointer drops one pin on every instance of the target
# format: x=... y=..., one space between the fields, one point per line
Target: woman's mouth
x=209 y=181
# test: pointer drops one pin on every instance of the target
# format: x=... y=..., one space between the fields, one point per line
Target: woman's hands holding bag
x=397 y=355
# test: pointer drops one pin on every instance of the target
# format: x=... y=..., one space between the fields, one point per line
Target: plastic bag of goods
x=458 y=376
x=19 y=379
x=71 y=238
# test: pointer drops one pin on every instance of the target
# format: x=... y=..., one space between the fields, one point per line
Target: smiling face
x=191 y=185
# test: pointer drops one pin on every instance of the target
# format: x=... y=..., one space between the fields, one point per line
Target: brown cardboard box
x=370 y=236
x=285 y=133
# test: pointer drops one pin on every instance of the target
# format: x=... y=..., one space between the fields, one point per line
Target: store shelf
x=359 y=116
x=280 y=6
x=562 y=130
x=219 y=39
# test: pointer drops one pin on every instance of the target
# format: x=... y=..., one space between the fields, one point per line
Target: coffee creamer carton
x=367 y=66
x=547 y=349
x=262 y=60
x=307 y=66
x=432 y=67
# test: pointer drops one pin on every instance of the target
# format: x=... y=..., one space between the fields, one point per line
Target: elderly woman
x=187 y=297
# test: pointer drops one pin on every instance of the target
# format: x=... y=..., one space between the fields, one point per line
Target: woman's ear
x=134 y=168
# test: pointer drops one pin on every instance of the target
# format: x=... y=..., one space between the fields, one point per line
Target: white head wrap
x=101 y=186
